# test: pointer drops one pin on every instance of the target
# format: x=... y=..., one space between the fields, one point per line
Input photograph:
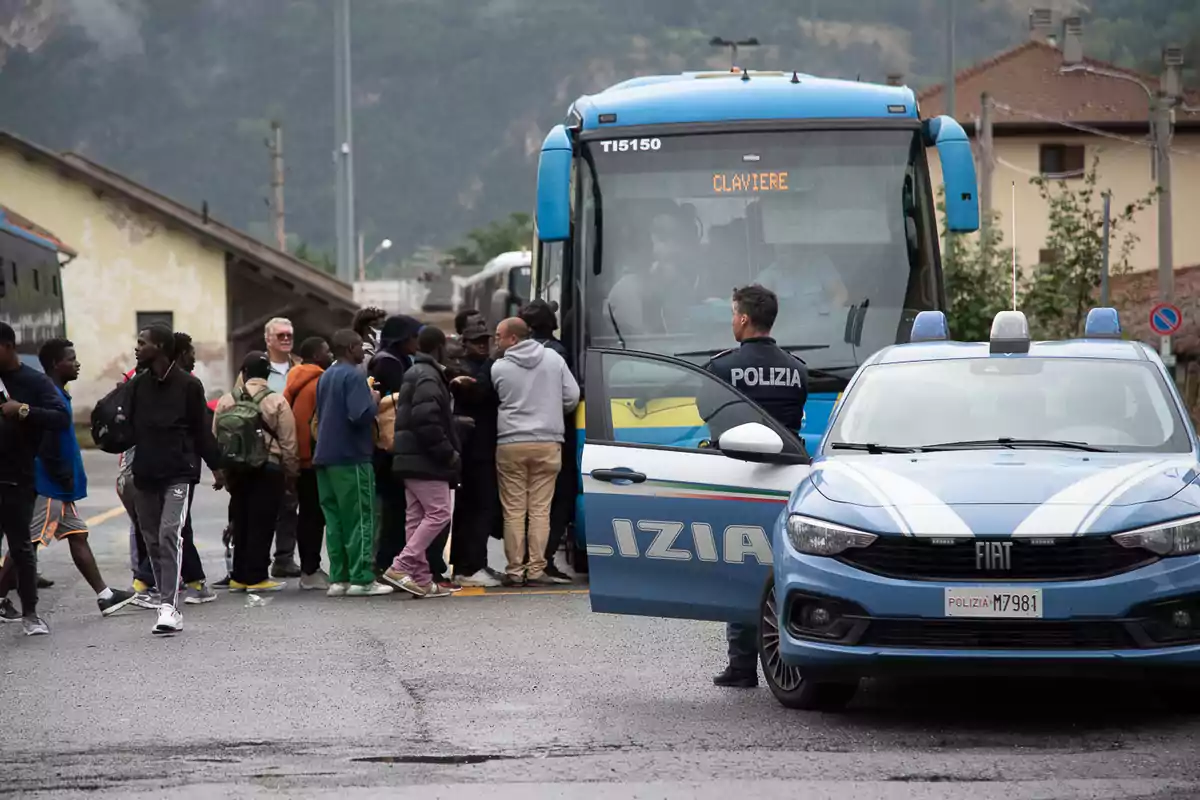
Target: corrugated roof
x=303 y=277
x=1028 y=78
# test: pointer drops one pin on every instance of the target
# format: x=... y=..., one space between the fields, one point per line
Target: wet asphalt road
x=520 y=696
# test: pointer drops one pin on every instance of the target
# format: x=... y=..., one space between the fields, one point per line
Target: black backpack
x=112 y=419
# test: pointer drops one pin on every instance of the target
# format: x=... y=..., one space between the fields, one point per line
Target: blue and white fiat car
x=1009 y=507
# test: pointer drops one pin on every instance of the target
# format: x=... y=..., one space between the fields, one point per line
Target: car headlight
x=1180 y=537
x=814 y=537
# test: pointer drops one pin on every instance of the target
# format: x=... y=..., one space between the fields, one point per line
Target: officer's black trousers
x=743 y=646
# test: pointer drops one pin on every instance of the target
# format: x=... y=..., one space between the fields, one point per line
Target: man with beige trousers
x=536 y=389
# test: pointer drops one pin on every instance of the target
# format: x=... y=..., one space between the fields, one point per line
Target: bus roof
x=501 y=263
x=13 y=223
x=708 y=97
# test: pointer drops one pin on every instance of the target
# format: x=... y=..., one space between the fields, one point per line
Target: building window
x=147 y=318
x=1061 y=160
x=1047 y=256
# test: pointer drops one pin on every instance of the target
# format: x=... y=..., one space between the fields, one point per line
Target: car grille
x=1068 y=558
x=973 y=634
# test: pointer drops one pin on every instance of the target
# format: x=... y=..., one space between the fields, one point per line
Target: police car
x=1008 y=507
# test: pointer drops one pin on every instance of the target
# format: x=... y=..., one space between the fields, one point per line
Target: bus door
x=677 y=526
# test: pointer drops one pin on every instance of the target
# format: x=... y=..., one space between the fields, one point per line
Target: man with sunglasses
x=280 y=337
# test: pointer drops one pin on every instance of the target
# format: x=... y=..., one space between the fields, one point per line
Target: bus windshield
x=840 y=224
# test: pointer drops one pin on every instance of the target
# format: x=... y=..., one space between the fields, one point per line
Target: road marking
x=100 y=519
x=479 y=591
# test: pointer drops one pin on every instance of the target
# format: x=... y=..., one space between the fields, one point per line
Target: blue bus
x=31 y=293
x=659 y=195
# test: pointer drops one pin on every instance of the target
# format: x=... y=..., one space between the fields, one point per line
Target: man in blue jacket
x=29 y=407
x=60 y=483
x=346 y=409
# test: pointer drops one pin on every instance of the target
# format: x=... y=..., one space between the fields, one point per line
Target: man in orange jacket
x=301 y=393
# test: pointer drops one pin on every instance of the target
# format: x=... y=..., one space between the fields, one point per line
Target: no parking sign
x=1165 y=319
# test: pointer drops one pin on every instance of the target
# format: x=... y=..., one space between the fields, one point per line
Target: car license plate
x=997 y=603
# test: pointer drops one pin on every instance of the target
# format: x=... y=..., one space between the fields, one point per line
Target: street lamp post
x=733 y=46
x=362 y=262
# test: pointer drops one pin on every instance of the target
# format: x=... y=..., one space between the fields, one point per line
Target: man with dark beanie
x=397 y=346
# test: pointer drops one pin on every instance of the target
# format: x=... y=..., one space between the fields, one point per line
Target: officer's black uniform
x=778 y=382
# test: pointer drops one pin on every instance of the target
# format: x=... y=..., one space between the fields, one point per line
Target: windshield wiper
x=870 y=447
x=1010 y=442
x=616 y=329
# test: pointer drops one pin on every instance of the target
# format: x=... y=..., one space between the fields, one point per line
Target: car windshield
x=838 y=223
x=1110 y=404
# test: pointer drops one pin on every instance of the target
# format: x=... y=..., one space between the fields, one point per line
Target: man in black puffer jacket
x=427 y=458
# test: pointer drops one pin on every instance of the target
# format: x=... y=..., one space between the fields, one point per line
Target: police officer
x=778 y=382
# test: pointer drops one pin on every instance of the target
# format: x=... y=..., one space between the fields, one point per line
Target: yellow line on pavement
x=100 y=519
x=478 y=591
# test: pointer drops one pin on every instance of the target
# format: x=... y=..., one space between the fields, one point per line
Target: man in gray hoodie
x=528 y=444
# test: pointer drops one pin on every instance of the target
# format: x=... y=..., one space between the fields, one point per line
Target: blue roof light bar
x=930 y=326
x=1102 y=323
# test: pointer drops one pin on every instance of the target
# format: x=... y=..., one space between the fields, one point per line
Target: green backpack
x=239 y=431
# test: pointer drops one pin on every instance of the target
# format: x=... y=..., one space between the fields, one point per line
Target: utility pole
x=950 y=58
x=362 y=261
x=1166 y=254
x=276 y=145
x=343 y=153
x=1104 y=250
x=987 y=166
x=1164 y=117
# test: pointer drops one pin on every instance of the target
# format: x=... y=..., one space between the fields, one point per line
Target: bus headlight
x=814 y=537
x=1179 y=537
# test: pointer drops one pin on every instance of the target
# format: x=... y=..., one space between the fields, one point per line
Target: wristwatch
x=23 y=411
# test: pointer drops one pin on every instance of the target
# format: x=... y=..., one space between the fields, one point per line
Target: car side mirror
x=754 y=441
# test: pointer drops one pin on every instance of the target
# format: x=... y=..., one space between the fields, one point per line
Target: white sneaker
x=481 y=578
x=318 y=581
x=169 y=620
x=372 y=589
x=337 y=590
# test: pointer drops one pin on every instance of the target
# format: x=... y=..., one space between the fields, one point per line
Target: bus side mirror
x=554 y=187
x=958 y=173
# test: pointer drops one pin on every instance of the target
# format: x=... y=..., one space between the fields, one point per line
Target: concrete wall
x=1124 y=168
x=128 y=262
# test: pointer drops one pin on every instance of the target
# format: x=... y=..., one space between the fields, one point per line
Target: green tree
x=978 y=275
x=317 y=258
x=1056 y=296
x=515 y=232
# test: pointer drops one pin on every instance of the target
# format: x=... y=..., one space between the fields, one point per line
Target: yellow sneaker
x=266 y=586
x=140 y=587
x=236 y=586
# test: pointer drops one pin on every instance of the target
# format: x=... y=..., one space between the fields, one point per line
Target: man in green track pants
x=345 y=414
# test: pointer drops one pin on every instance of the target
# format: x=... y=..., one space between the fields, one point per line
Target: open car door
x=676 y=525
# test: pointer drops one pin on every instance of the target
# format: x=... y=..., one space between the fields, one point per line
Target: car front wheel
x=786 y=682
